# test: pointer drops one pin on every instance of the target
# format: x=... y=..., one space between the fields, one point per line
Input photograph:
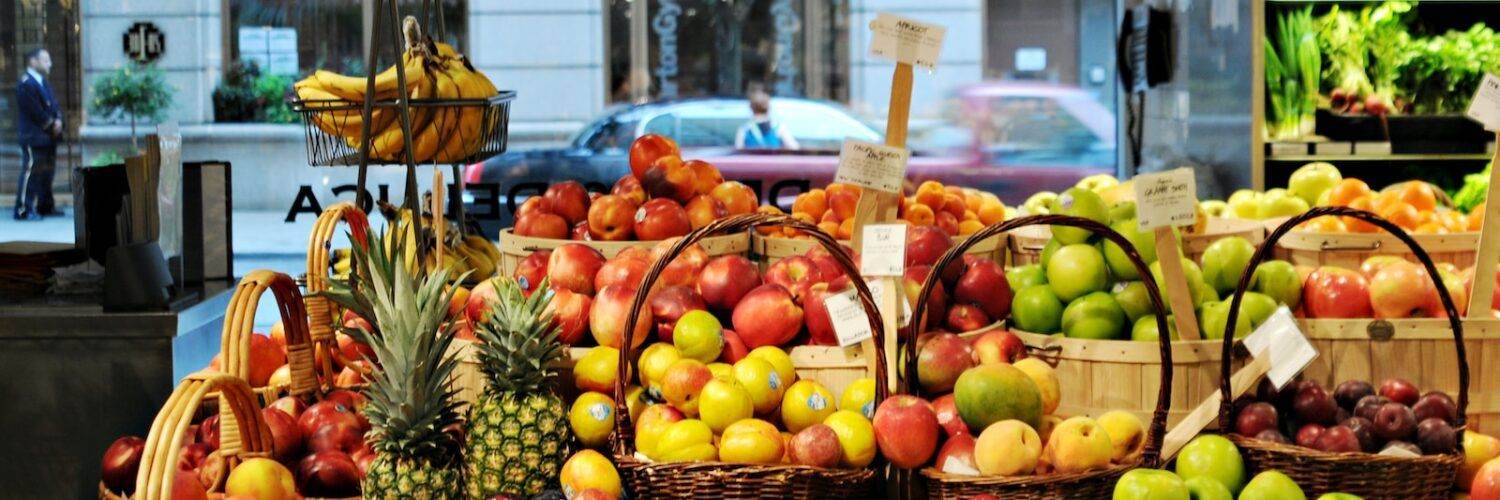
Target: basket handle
x=321 y=311
x=159 y=458
x=1151 y=454
x=624 y=431
x=1454 y=320
x=239 y=320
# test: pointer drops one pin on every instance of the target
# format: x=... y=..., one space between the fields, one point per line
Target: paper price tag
x=1397 y=451
x=884 y=251
x=906 y=40
x=1485 y=107
x=1166 y=199
x=873 y=166
x=1282 y=343
x=849 y=321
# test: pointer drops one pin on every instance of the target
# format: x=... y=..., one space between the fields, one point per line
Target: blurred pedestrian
x=39 y=127
x=761 y=132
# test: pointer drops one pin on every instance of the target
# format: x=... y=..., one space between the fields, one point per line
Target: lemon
x=721 y=371
x=760 y=379
x=856 y=437
x=653 y=422
x=722 y=403
x=805 y=403
x=653 y=364
x=635 y=401
x=684 y=441
x=859 y=397
x=699 y=336
x=779 y=360
x=597 y=370
x=592 y=418
x=752 y=441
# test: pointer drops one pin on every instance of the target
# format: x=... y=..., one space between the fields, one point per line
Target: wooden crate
x=1305 y=248
x=1026 y=243
x=1419 y=350
x=768 y=250
x=515 y=248
x=1102 y=375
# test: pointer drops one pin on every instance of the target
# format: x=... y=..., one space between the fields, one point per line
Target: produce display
x=433 y=70
x=1210 y=466
x=662 y=197
x=956 y=210
x=472 y=256
x=1416 y=206
x=1356 y=417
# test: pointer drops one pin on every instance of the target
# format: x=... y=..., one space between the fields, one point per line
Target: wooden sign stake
x=1489 y=246
x=1206 y=412
x=438 y=226
x=1175 y=282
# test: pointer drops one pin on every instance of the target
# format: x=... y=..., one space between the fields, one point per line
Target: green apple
x=1097 y=182
x=1257 y=306
x=1190 y=273
x=1150 y=484
x=1076 y=270
x=1202 y=488
x=1036 y=309
x=1146 y=329
x=1280 y=203
x=1214 y=457
x=1121 y=210
x=1214 y=317
x=1205 y=295
x=1024 y=276
x=1279 y=280
x=1133 y=298
x=1144 y=242
x=1078 y=202
x=1340 y=496
x=1309 y=181
x=1272 y=485
x=1048 y=251
x=1094 y=316
x=1215 y=208
x=1039 y=203
x=1225 y=261
x=1244 y=204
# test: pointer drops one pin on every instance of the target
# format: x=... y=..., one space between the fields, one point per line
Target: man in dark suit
x=40 y=126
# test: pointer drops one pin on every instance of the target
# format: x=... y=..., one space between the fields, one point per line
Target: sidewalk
x=261 y=239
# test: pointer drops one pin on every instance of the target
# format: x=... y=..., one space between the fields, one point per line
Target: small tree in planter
x=134 y=91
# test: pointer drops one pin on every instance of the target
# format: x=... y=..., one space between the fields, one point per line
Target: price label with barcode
x=906 y=40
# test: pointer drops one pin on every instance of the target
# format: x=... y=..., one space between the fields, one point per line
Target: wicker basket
x=1307 y=248
x=731 y=480
x=237 y=442
x=1026 y=244
x=1091 y=484
x=768 y=250
x=323 y=316
x=489 y=136
x=514 y=248
x=1364 y=474
x=239 y=321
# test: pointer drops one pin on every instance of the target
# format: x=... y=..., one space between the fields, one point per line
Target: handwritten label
x=906 y=40
x=1485 y=107
x=1282 y=343
x=873 y=166
x=1166 y=199
x=850 y=323
x=884 y=250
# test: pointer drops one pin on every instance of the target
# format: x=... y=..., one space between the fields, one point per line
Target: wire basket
x=458 y=131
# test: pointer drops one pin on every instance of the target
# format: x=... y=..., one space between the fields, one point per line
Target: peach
x=608 y=315
x=669 y=178
x=705 y=176
x=767 y=316
x=619 y=271
x=542 y=225
x=726 y=279
x=646 y=149
x=612 y=218
x=573 y=267
x=534 y=205
x=736 y=197
x=568 y=199
x=661 y=218
x=704 y=209
x=629 y=188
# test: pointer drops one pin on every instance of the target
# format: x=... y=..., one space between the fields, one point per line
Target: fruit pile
x=1385 y=286
x=956 y=210
x=1109 y=188
x=433 y=71
x=1413 y=205
x=663 y=197
x=1210 y=466
x=1356 y=417
x=996 y=410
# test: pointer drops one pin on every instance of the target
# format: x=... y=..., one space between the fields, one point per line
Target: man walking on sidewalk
x=39 y=126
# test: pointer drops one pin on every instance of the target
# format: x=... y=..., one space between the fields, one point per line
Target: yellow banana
x=427 y=141
x=390 y=142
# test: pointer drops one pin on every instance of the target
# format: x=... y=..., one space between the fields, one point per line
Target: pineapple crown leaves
x=520 y=350
x=411 y=398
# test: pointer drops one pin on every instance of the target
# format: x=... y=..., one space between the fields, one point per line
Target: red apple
x=958 y=451
x=350 y=399
x=726 y=279
x=629 y=187
x=1400 y=391
x=534 y=205
x=669 y=304
x=612 y=218
x=998 y=346
x=208 y=432
x=816 y=446
x=354 y=350
x=661 y=218
x=570 y=311
x=609 y=313
x=1403 y=290
x=328 y=474
x=683 y=269
x=191 y=456
x=984 y=284
x=793 y=273
x=924 y=244
x=477 y=310
x=912 y=281
x=362 y=459
x=767 y=316
x=965 y=318
x=324 y=414
x=542 y=225
x=1334 y=292
x=734 y=348
x=906 y=430
x=568 y=199
x=573 y=267
x=580 y=232
x=1486 y=485
x=290 y=405
x=946 y=411
x=628 y=272
x=339 y=437
x=121 y=461
x=286 y=436
x=187 y=486
x=941 y=360
x=828 y=267
x=819 y=324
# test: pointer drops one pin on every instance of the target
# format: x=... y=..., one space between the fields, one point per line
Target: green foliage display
x=135 y=92
x=247 y=95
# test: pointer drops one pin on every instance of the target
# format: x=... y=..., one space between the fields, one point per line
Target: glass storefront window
x=324 y=34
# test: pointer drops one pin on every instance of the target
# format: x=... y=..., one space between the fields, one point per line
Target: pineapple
x=412 y=410
x=518 y=430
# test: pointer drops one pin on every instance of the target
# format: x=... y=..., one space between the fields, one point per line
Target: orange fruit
x=920 y=215
x=969 y=215
x=1347 y=191
x=991 y=211
x=1418 y=194
x=1431 y=228
x=846 y=229
x=954 y=204
x=1402 y=214
x=972 y=201
x=931 y=193
x=769 y=230
x=1367 y=203
x=969 y=227
x=829 y=227
x=1453 y=220
x=1325 y=224
x=813 y=203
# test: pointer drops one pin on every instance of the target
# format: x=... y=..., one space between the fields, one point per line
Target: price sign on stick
x=850 y=323
x=906 y=41
x=1162 y=201
x=885 y=250
x=872 y=166
x=1282 y=344
x=1485 y=106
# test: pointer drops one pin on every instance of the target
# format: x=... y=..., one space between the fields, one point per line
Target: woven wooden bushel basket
x=323 y=317
x=1090 y=484
x=249 y=438
x=735 y=480
x=1365 y=474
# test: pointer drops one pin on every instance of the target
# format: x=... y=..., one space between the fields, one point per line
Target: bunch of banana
x=441 y=134
x=471 y=254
